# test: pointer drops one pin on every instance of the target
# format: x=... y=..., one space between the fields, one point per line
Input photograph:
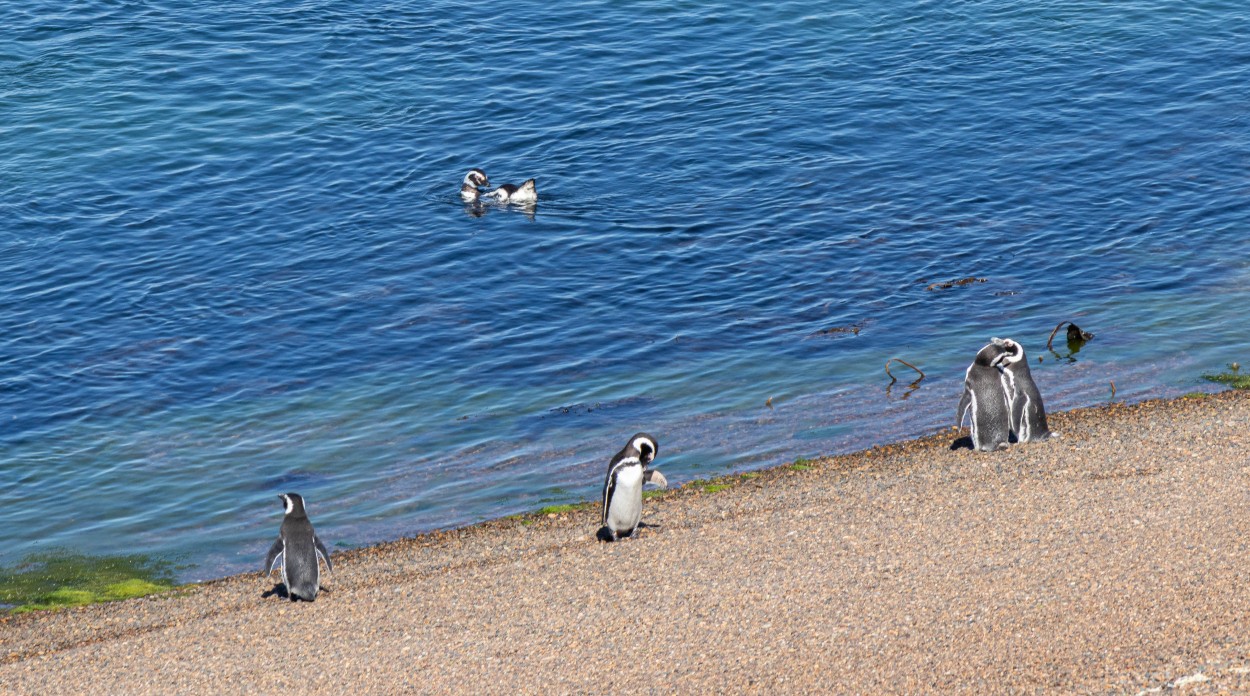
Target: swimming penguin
x=985 y=401
x=472 y=180
x=298 y=548
x=524 y=194
x=622 y=491
x=1028 y=414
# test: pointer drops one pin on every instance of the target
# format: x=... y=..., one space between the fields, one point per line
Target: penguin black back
x=985 y=401
x=298 y=548
x=1028 y=413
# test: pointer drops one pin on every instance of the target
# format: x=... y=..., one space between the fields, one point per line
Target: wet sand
x=1111 y=560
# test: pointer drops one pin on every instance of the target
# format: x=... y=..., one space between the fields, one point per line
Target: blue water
x=235 y=261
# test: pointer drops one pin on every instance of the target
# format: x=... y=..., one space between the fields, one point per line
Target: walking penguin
x=298 y=548
x=985 y=400
x=622 y=490
x=1028 y=414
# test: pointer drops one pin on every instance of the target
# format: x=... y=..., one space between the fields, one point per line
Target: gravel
x=1109 y=560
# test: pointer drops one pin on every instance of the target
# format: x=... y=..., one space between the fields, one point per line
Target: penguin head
x=476 y=177
x=991 y=355
x=294 y=503
x=647 y=449
x=1012 y=352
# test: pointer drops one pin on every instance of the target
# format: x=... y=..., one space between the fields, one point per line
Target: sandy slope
x=1110 y=560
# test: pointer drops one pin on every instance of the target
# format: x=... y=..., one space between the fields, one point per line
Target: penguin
x=525 y=194
x=1028 y=414
x=472 y=180
x=622 y=490
x=298 y=548
x=985 y=401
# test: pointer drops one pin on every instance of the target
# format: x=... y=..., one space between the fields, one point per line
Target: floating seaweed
x=852 y=329
x=911 y=387
x=1075 y=336
x=945 y=285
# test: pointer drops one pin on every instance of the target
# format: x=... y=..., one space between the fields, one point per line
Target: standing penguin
x=298 y=548
x=1028 y=414
x=985 y=401
x=622 y=490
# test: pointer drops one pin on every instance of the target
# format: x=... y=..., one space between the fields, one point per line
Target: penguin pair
x=525 y=194
x=1001 y=398
x=298 y=549
x=622 y=489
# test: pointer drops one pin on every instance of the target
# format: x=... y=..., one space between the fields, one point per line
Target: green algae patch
x=64 y=597
x=131 y=588
x=801 y=464
x=560 y=509
x=59 y=579
x=713 y=485
x=1233 y=377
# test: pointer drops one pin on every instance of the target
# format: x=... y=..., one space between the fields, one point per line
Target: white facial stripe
x=289 y=505
x=639 y=442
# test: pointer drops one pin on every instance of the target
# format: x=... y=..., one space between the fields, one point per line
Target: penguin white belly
x=625 y=508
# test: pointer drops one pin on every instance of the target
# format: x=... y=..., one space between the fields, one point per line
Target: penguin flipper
x=609 y=487
x=965 y=401
x=276 y=553
x=653 y=476
x=321 y=551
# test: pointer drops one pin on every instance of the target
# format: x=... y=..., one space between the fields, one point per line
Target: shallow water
x=236 y=263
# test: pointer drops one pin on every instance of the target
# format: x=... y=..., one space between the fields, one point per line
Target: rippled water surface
x=235 y=263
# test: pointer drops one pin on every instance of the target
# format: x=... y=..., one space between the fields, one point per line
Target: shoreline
x=905 y=548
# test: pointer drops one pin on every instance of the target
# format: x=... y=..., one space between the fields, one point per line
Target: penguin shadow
x=604 y=535
x=964 y=442
x=279 y=590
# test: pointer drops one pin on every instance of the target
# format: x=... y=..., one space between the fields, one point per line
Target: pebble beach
x=1109 y=560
